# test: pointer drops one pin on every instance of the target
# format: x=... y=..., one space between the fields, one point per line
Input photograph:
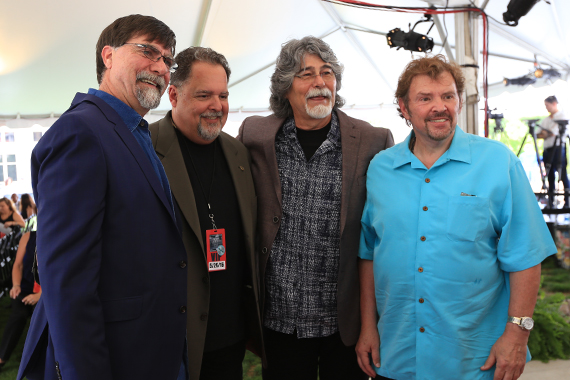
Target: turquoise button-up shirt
x=443 y=241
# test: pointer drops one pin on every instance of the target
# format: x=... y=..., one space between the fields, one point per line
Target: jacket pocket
x=122 y=309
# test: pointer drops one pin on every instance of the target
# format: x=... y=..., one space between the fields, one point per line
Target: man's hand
x=32 y=299
x=368 y=343
x=509 y=353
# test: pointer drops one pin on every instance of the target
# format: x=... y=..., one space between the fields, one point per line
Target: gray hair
x=290 y=62
x=187 y=57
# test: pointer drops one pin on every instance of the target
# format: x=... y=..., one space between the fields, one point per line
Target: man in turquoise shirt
x=451 y=245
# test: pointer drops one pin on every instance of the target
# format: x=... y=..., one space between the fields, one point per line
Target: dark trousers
x=289 y=357
x=223 y=364
x=15 y=326
x=552 y=156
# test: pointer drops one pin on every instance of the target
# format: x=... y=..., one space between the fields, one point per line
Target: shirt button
x=204 y=316
x=423 y=238
x=422 y=329
x=420 y=269
x=425 y=208
x=427 y=180
x=182 y=264
x=275 y=219
x=182 y=309
x=241 y=168
x=421 y=300
x=264 y=250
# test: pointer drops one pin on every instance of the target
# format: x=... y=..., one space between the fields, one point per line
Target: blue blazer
x=111 y=258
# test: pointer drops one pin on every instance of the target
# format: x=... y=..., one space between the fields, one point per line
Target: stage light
x=516 y=9
x=520 y=81
x=411 y=40
x=551 y=74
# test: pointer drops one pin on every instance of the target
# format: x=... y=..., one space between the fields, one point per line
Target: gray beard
x=149 y=98
x=319 y=112
x=208 y=134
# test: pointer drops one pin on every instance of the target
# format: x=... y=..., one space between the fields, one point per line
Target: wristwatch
x=525 y=323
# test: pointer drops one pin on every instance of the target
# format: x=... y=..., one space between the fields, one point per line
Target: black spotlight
x=520 y=81
x=409 y=41
x=516 y=9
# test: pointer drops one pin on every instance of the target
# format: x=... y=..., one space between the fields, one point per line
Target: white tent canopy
x=47 y=48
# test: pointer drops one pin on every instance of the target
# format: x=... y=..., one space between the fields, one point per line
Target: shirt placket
x=422 y=269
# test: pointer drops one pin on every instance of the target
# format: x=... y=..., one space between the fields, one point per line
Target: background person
x=24 y=298
x=550 y=132
x=27 y=206
x=8 y=214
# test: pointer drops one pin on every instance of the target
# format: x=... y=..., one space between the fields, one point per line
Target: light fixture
x=520 y=81
x=551 y=73
x=516 y=9
x=411 y=40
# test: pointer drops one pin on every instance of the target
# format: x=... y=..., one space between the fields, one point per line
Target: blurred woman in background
x=8 y=214
x=27 y=206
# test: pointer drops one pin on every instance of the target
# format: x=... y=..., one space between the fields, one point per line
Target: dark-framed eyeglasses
x=327 y=75
x=152 y=53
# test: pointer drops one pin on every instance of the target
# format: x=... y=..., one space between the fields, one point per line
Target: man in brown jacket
x=211 y=181
x=309 y=162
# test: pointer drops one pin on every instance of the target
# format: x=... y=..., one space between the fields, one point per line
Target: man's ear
x=173 y=95
x=107 y=55
x=403 y=108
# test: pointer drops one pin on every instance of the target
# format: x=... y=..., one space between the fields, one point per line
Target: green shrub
x=550 y=338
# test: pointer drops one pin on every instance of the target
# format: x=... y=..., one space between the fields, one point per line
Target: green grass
x=251 y=367
x=10 y=370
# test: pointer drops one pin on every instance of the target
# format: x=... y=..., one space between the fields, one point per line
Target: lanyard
x=210 y=214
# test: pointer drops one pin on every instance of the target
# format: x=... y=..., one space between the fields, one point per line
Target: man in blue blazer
x=112 y=265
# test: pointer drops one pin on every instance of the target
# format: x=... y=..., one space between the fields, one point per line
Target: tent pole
x=467 y=53
x=202 y=22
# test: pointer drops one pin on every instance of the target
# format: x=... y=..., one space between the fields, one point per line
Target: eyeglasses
x=327 y=76
x=152 y=53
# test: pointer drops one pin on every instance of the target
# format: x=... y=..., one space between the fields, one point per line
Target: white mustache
x=314 y=92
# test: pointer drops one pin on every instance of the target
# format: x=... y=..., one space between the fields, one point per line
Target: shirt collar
x=459 y=150
x=129 y=116
x=333 y=136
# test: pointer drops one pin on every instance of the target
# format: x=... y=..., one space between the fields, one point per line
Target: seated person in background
x=8 y=214
x=22 y=293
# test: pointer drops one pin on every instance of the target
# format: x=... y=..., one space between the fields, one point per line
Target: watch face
x=527 y=323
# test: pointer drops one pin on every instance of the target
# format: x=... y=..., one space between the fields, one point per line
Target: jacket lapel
x=131 y=143
x=168 y=149
x=244 y=191
x=350 y=140
x=270 y=156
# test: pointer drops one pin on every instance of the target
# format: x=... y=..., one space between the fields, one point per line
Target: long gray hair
x=290 y=62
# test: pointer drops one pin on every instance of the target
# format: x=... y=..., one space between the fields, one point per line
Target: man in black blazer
x=309 y=162
x=210 y=175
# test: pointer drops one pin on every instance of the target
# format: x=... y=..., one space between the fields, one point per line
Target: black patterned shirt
x=302 y=271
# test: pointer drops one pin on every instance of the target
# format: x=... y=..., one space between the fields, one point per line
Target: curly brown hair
x=433 y=67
